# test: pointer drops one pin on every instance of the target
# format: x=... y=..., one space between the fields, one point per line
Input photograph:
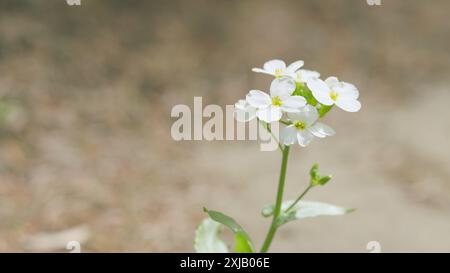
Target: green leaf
x=304 y=209
x=207 y=238
x=231 y=224
x=242 y=245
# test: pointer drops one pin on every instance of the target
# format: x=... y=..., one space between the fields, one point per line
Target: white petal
x=304 y=75
x=289 y=135
x=290 y=75
x=307 y=114
x=269 y=114
x=304 y=137
x=258 y=99
x=282 y=87
x=273 y=65
x=348 y=104
x=260 y=70
x=293 y=67
x=293 y=103
x=295 y=116
x=243 y=112
x=320 y=91
x=332 y=82
x=347 y=90
x=241 y=104
x=321 y=130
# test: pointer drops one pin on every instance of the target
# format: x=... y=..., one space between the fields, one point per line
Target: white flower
x=304 y=127
x=332 y=91
x=278 y=68
x=270 y=108
x=243 y=111
x=304 y=75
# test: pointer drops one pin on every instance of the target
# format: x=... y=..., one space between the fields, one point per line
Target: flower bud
x=325 y=179
x=313 y=171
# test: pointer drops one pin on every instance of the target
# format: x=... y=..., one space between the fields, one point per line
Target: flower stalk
x=279 y=200
x=299 y=198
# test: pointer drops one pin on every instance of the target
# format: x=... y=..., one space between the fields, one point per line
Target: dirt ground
x=85 y=100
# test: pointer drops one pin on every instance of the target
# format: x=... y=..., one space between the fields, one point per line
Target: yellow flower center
x=300 y=125
x=278 y=72
x=276 y=101
x=334 y=95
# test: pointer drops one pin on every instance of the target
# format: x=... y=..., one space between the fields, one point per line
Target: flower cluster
x=297 y=98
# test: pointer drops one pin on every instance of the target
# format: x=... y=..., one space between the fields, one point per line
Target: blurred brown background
x=86 y=94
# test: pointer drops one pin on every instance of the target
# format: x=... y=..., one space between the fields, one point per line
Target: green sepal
x=302 y=90
x=323 y=109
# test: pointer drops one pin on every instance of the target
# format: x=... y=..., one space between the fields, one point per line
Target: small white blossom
x=304 y=127
x=243 y=111
x=278 y=68
x=270 y=108
x=303 y=75
x=332 y=91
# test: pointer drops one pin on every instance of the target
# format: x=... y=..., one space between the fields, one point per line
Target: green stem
x=299 y=198
x=277 y=211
